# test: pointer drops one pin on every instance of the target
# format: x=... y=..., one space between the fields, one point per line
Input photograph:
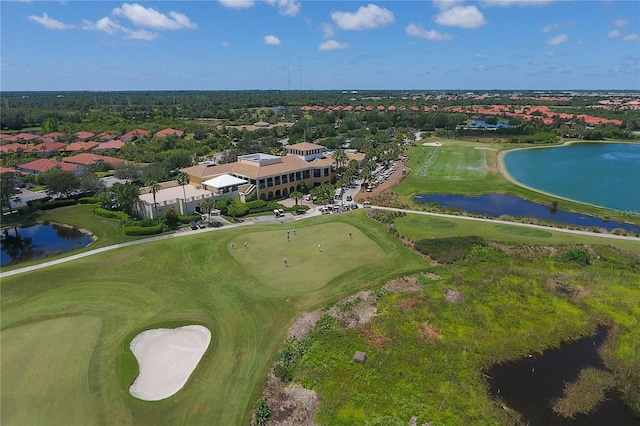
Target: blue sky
x=318 y=45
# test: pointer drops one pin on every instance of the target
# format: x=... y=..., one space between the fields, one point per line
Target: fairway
x=245 y=297
x=49 y=367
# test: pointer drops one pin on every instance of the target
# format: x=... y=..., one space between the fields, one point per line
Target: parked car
x=215 y=224
x=201 y=224
x=349 y=198
x=193 y=225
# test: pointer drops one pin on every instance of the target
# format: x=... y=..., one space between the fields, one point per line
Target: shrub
x=143 y=230
x=578 y=255
x=54 y=204
x=88 y=200
x=186 y=218
x=122 y=216
x=448 y=250
x=262 y=412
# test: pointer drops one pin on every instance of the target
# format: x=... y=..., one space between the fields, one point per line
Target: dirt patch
x=291 y=404
x=453 y=296
x=429 y=332
x=374 y=337
x=304 y=324
x=408 y=284
x=354 y=311
x=405 y=305
x=560 y=285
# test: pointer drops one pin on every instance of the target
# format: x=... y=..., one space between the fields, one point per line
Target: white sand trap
x=432 y=144
x=167 y=357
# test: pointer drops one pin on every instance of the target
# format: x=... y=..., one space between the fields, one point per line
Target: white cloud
x=141 y=35
x=237 y=4
x=145 y=17
x=550 y=27
x=631 y=37
x=272 y=40
x=556 y=40
x=432 y=35
x=286 y=7
x=105 y=25
x=620 y=22
x=509 y=3
x=480 y=56
x=613 y=34
x=327 y=30
x=50 y=23
x=333 y=45
x=461 y=16
x=365 y=18
x=224 y=43
x=447 y=4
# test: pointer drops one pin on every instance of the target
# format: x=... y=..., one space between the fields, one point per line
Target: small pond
x=39 y=241
x=528 y=386
x=496 y=205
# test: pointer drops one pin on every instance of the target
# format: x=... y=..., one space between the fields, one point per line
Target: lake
x=603 y=174
x=39 y=241
x=529 y=385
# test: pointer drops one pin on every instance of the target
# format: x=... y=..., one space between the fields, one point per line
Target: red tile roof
x=82 y=135
x=87 y=159
x=47 y=147
x=13 y=147
x=54 y=135
x=170 y=132
x=44 y=165
x=81 y=146
x=112 y=145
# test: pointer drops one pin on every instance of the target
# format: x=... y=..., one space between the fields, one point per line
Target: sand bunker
x=432 y=144
x=167 y=357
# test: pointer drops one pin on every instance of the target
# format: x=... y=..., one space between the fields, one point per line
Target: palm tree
x=340 y=157
x=155 y=187
x=182 y=180
x=296 y=195
x=208 y=205
x=233 y=210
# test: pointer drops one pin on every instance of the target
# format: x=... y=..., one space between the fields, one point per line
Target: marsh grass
x=583 y=395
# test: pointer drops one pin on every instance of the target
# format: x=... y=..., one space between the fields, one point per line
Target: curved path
x=288 y=218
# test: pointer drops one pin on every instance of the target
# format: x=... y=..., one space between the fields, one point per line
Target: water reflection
x=38 y=242
x=496 y=205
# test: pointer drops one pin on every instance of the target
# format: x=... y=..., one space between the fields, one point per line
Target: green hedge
x=88 y=200
x=186 y=218
x=143 y=230
x=53 y=204
x=111 y=214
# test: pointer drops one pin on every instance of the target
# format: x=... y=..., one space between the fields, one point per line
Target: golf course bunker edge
x=166 y=358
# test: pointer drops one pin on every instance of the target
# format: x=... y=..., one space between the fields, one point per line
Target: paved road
x=289 y=218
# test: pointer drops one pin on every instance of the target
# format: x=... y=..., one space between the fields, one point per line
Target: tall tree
x=296 y=195
x=60 y=181
x=155 y=187
x=182 y=180
x=7 y=190
x=127 y=195
x=207 y=205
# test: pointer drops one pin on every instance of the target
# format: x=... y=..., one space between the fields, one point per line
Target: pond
x=528 y=386
x=496 y=205
x=39 y=241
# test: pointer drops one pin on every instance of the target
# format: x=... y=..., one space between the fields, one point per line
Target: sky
x=320 y=45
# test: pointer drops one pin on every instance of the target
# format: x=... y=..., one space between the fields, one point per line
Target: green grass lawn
x=247 y=299
x=45 y=366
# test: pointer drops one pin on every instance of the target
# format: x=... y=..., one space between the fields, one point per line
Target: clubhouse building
x=252 y=177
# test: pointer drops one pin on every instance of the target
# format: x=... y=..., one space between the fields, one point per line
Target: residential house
x=169 y=132
x=84 y=136
x=81 y=146
x=113 y=145
x=43 y=165
x=86 y=160
x=134 y=134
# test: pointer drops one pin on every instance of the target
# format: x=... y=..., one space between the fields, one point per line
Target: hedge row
x=53 y=204
x=143 y=230
x=122 y=216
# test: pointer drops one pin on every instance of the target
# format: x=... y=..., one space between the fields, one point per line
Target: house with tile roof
x=272 y=176
x=169 y=132
x=84 y=136
x=105 y=136
x=86 y=160
x=11 y=148
x=134 y=134
x=54 y=135
x=47 y=149
x=43 y=165
x=113 y=145
x=80 y=146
